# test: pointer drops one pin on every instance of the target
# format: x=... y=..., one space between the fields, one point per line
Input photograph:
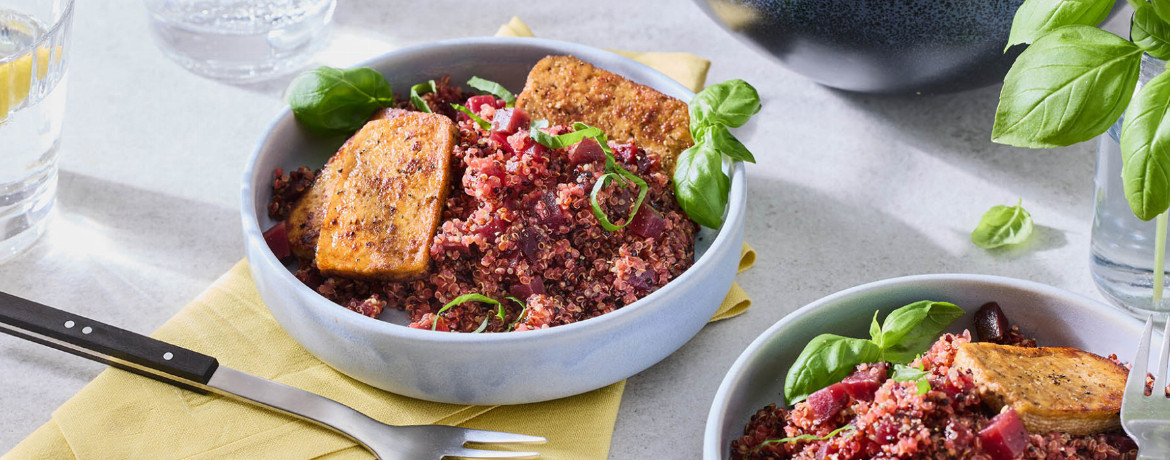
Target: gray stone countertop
x=849 y=189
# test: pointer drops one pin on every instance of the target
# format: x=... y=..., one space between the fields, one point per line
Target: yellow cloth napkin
x=121 y=415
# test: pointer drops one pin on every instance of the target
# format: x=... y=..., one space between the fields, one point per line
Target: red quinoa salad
x=518 y=224
x=946 y=403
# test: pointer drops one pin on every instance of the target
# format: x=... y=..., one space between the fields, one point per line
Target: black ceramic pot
x=879 y=46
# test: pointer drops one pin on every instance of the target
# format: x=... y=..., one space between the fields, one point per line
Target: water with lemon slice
x=32 y=104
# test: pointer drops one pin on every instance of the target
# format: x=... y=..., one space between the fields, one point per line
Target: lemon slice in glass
x=16 y=78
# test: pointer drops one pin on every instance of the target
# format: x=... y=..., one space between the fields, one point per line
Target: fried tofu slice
x=564 y=89
x=1052 y=388
x=304 y=220
x=381 y=218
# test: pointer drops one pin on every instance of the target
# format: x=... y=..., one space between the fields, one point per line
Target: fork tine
x=1163 y=358
x=1135 y=384
x=476 y=453
x=500 y=437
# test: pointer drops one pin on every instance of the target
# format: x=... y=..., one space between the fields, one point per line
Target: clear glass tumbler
x=240 y=40
x=34 y=52
x=1122 y=246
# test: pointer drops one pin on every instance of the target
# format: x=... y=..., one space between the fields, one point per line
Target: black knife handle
x=104 y=343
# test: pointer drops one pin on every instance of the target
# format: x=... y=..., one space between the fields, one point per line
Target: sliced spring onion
x=523 y=311
x=416 y=93
x=470 y=298
x=483 y=124
x=805 y=437
x=493 y=88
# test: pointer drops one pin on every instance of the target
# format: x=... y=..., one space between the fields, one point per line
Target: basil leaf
x=721 y=139
x=1150 y=32
x=1069 y=86
x=493 y=88
x=335 y=101
x=904 y=373
x=729 y=103
x=1162 y=8
x=875 y=329
x=826 y=360
x=1038 y=17
x=563 y=140
x=1145 y=149
x=416 y=93
x=483 y=124
x=700 y=186
x=470 y=298
x=1002 y=225
x=909 y=331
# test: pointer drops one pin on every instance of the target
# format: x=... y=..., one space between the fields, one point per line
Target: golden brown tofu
x=304 y=220
x=564 y=89
x=1052 y=388
x=381 y=219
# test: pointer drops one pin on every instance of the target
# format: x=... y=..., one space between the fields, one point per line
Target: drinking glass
x=1122 y=247
x=34 y=52
x=240 y=40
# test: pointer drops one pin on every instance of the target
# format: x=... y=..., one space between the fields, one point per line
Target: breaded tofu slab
x=304 y=220
x=1051 y=388
x=381 y=218
x=564 y=89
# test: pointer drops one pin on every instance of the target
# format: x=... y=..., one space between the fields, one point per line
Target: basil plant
x=1075 y=80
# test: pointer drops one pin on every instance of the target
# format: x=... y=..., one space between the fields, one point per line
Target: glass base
x=24 y=211
x=1129 y=288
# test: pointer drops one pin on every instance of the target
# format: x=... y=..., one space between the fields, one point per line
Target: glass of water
x=34 y=51
x=240 y=40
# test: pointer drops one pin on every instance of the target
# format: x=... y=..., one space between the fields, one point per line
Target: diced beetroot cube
x=277 y=239
x=1004 y=437
x=502 y=141
x=509 y=120
x=862 y=385
x=642 y=280
x=586 y=151
x=549 y=211
x=522 y=291
x=647 y=222
x=529 y=244
x=828 y=401
x=475 y=102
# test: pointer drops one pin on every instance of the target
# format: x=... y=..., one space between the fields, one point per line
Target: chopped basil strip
x=563 y=140
x=604 y=182
x=416 y=93
x=904 y=373
x=805 y=437
x=493 y=88
x=519 y=317
x=470 y=298
x=483 y=124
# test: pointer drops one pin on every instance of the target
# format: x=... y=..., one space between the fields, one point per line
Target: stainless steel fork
x=1147 y=418
x=201 y=373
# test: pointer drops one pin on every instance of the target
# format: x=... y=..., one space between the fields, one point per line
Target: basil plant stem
x=1159 y=258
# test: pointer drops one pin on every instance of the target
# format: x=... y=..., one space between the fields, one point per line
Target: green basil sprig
x=906 y=333
x=805 y=437
x=1150 y=32
x=338 y=101
x=483 y=124
x=418 y=90
x=918 y=375
x=1038 y=17
x=1003 y=225
x=471 y=298
x=700 y=185
x=493 y=88
x=1069 y=86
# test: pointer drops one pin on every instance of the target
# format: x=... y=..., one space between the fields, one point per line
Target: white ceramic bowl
x=503 y=368
x=1055 y=317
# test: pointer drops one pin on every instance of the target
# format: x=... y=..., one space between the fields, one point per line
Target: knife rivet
x=69 y=324
x=86 y=330
x=167 y=356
